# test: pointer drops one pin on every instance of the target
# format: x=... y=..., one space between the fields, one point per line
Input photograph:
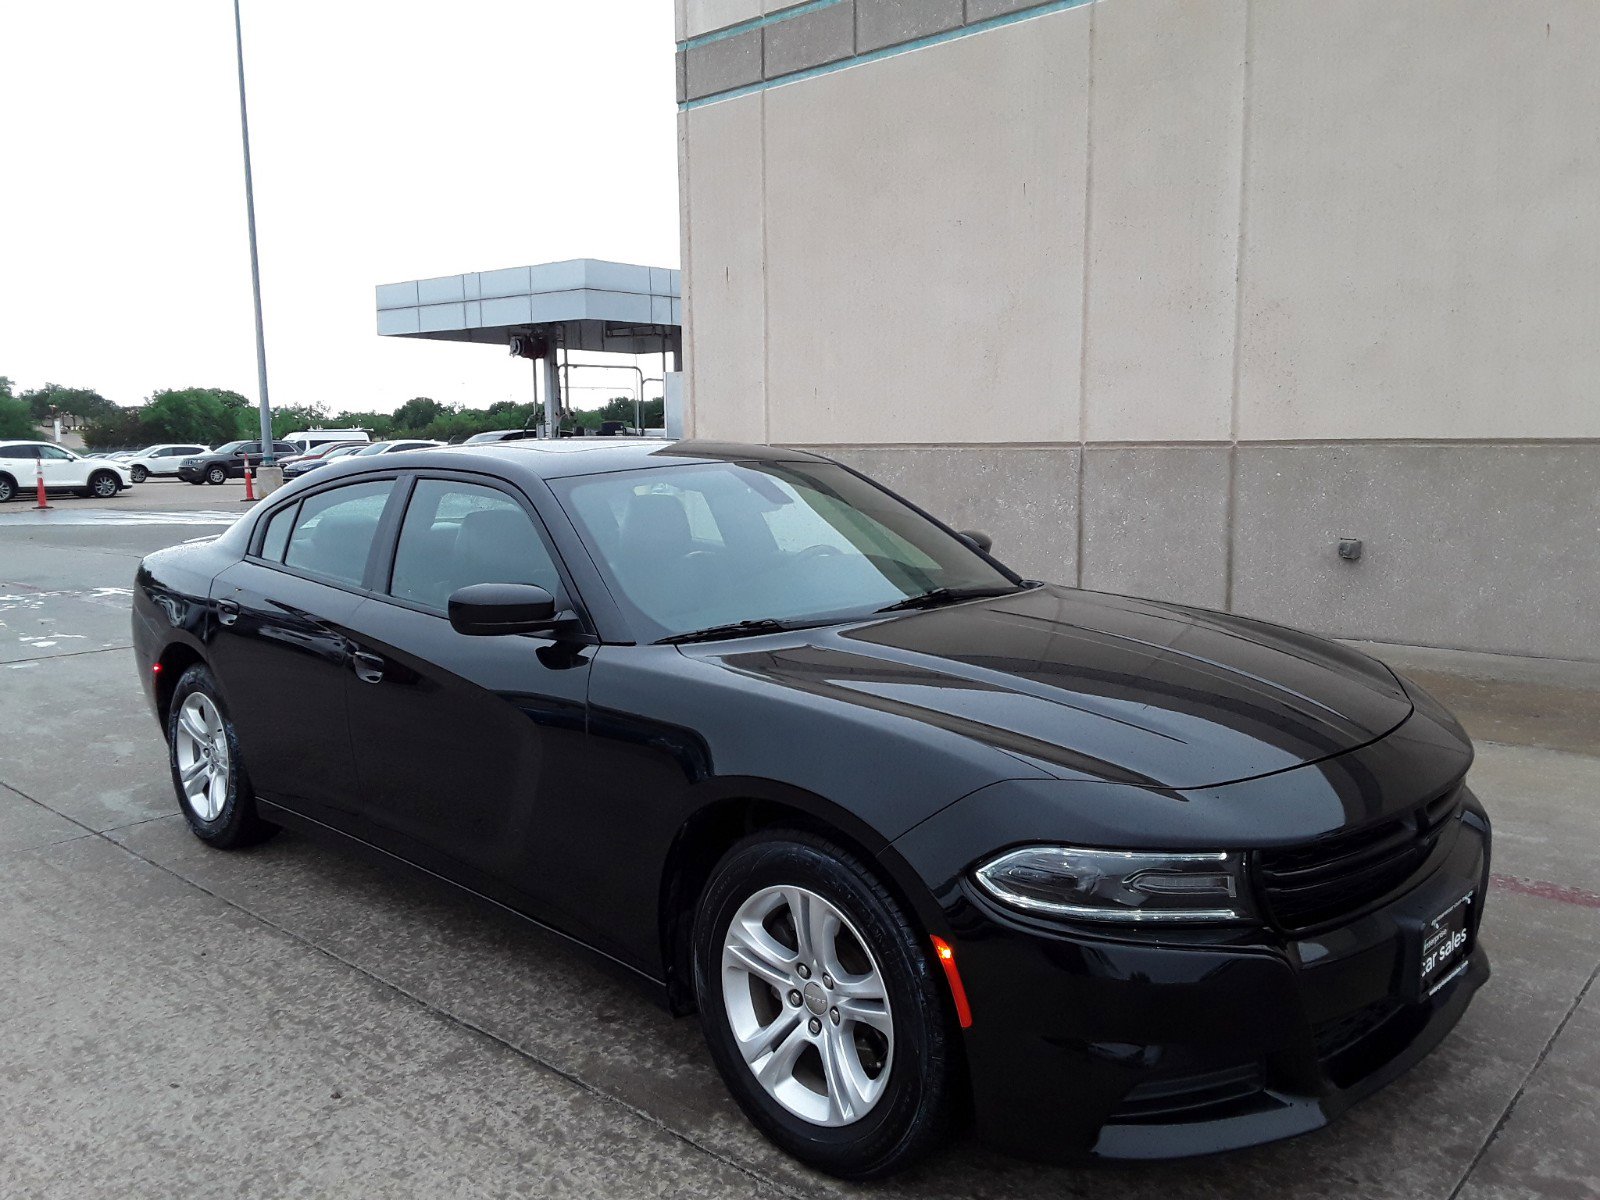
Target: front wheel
x=207 y=771
x=139 y=474
x=216 y=474
x=104 y=485
x=821 y=1007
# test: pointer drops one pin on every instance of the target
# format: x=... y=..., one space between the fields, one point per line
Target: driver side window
x=54 y=452
x=456 y=534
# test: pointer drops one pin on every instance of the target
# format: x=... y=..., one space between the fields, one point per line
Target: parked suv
x=227 y=462
x=161 y=459
x=23 y=464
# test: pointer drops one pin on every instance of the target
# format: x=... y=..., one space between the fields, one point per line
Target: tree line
x=217 y=415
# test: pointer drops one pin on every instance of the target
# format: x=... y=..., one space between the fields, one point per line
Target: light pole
x=267 y=459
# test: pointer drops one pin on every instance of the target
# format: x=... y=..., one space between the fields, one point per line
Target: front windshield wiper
x=735 y=629
x=948 y=595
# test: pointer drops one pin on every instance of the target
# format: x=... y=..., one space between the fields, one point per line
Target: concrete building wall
x=1171 y=296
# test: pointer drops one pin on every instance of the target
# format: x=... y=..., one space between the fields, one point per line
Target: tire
x=8 y=488
x=201 y=738
x=216 y=474
x=891 y=1117
x=104 y=485
x=139 y=474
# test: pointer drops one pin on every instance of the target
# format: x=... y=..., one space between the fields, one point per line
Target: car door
x=20 y=461
x=249 y=452
x=468 y=747
x=281 y=646
x=62 y=469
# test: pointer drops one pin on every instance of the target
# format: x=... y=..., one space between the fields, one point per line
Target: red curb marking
x=1545 y=891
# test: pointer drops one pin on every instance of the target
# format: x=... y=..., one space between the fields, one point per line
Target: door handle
x=368 y=667
x=227 y=611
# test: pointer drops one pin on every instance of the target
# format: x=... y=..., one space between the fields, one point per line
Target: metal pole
x=552 y=391
x=255 y=263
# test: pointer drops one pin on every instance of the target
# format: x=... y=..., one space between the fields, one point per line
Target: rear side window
x=19 y=452
x=334 y=535
x=277 y=535
x=456 y=534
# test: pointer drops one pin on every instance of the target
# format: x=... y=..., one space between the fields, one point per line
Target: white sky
x=391 y=139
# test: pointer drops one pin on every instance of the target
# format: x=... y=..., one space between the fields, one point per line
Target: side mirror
x=977 y=539
x=491 y=609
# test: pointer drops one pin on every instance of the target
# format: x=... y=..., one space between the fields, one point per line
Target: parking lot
x=294 y=1021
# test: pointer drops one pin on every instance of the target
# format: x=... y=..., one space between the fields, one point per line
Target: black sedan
x=915 y=836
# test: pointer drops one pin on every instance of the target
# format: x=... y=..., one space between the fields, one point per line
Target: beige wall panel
x=723 y=271
x=1155 y=522
x=1478 y=547
x=704 y=16
x=1422 y=245
x=1024 y=497
x=1164 y=221
x=924 y=224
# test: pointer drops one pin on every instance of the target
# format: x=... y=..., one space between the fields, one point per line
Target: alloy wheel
x=104 y=486
x=202 y=750
x=808 y=1006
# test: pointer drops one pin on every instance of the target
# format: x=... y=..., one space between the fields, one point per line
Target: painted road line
x=110 y=516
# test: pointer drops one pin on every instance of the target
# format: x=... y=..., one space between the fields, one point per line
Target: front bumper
x=1084 y=1045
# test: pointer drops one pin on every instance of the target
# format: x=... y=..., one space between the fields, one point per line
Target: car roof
x=571 y=456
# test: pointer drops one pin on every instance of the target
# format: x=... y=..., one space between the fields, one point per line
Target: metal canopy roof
x=585 y=303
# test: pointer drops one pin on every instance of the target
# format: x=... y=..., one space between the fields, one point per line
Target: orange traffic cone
x=39 y=469
x=249 y=490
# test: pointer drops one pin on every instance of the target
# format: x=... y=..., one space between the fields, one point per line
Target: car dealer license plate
x=1444 y=945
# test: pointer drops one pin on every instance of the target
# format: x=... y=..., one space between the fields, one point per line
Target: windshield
x=372 y=448
x=690 y=547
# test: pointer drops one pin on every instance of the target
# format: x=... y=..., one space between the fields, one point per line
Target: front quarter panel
x=675 y=734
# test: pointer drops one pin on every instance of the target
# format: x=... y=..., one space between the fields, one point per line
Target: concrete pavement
x=294 y=1021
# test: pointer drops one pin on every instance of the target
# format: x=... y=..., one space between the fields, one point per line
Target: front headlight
x=1128 y=887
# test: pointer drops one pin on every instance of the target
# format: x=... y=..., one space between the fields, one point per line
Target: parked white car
x=161 y=459
x=64 y=471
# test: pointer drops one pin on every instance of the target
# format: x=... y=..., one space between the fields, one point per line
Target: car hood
x=1083 y=685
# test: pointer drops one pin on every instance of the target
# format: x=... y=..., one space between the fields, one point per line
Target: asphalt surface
x=291 y=1021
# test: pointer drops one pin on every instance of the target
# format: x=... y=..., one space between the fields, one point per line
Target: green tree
x=15 y=419
x=209 y=415
x=116 y=430
x=54 y=400
x=417 y=414
x=293 y=417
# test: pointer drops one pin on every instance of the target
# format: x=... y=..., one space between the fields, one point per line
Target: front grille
x=1311 y=884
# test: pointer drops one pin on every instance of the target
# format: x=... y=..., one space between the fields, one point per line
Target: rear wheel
x=139 y=474
x=820 y=1007
x=104 y=485
x=216 y=474
x=207 y=771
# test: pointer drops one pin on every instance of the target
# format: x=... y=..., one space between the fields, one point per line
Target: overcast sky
x=391 y=139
